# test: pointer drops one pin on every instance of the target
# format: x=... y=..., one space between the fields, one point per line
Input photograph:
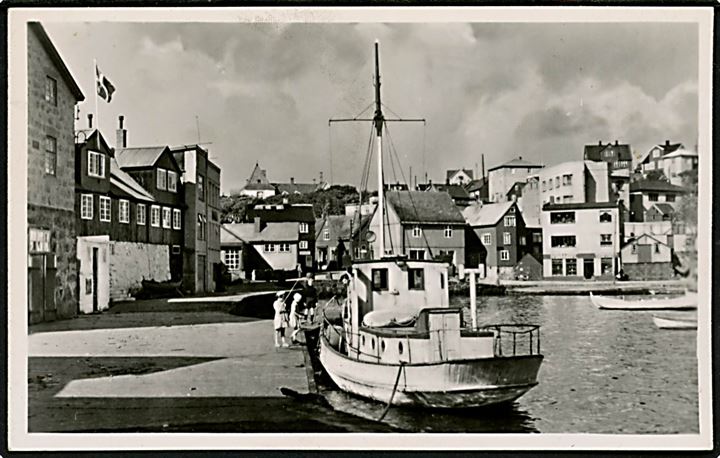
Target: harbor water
x=604 y=372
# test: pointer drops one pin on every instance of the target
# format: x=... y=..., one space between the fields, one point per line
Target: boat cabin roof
x=421 y=329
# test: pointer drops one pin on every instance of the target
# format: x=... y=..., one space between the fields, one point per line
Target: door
x=202 y=273
x=41 y=288
x=95 y=279
x=588 y=268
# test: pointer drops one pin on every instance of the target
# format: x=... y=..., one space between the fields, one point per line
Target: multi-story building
x=292 y=213
x=502 y=178
x=504 y=236
x=458 y=193
x=574 y=182
x=339 y=239
x=672 y=159
x=421 y=225
x=459 y=177
x=581 y=240
x=125 y=233
x=260 y=251
x=618 y=157
x=52 y=265
x=644 y=194
x=478 y=189
x=201 y=248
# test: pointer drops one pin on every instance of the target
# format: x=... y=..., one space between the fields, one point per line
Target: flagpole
x=97 y=113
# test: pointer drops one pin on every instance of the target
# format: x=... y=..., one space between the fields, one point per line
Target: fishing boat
x=687 y=301
x=678 y=320
x=401 y=343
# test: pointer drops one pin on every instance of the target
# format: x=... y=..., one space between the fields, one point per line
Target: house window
x=51 y=90
x=379 y=279
x=605 y=239
x=201 y=226
x=105 y=209
x=416 y=232
x=141 y=214
x=605 y=217
x=124 y=211
x=670 y=198
x=509 y=221
x=231 y=258
x=633 y=250
x=557 y=182
x=304 y=228
x=50 y=155
x=201 y=188
x=606 y=266
x=567 y=180
x=562 y=217
x=557 y=266
x=487 y=239
x=303 y=244
x=86 y=206
x=657 y=248
x=155 y=216
x=571 y=267
x=269 y=248
x=543 y=186
x=507 y=238
x=562 y=241
x=326 y=234
x=166 y=217
x=177 y=219
x=567 y=199
x=161 y=179
x=653 y=197
x=504 y=255
x=284 y=247
x=39 y=240
x=416 y=279
x=448 y=232
x=417 y=255
x=522 y=240
x=96 y=164
x=171 y=181
x=537 y=237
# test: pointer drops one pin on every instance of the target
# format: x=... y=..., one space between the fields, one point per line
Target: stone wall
x=130 y=263
x=648 y=270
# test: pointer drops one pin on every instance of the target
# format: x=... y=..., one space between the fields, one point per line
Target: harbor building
x=52 y=252
x=618 y=157
x=574 y=182
x=581 y=240
x=647 y=258
x=201 y=246
x=340 y=239
x=502 y=178
x=260 y=250
x=421 y=225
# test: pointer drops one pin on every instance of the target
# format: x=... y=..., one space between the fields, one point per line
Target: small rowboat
x=688 y=301
x=680 y=320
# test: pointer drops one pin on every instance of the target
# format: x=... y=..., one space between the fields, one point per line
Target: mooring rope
x=392 y=395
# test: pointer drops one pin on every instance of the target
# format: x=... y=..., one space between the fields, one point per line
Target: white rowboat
x=679 y=320
x=687 y=301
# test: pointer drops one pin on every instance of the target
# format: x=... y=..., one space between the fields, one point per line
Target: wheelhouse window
x=509 y=221
x=416 y=232
x=105 y=209
x=380 y=279
x=562 y=241
x=124 y=211
x=86 y=206
x=171 y=181
x=562 y=217
x=50 y=155
x=177 y=219
x=605 y=239
x=51 y=90
x=155 y=216
x=448 y=232
x=96 y=164
x=141 y=215
x=417 y=255
x=557 y=266
x=161 y=179
x=605 y=217
x=416 y=279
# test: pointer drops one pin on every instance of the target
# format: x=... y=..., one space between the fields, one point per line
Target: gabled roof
x=126 y=183
x=518 y=162
x=655 y=186
x=666 y=148
x=54 y=55
x=456 y=191
x=486 y=214
x=597 y=152
x=516 y=188
x=476 y=185
x=258 y=180
x=245 y=232
x=424 y=207
x=297 y=213
x=681 y=153
x=339 y=226
x=145 y=156
x=664 y=208
x=644 y=236
x=450 y=173
x=92 y=134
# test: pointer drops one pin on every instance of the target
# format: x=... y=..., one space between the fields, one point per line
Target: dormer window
x=96 y=164
x=161 y=180
x=416 y=232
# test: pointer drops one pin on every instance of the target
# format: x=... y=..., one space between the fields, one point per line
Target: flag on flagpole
x=105 y=89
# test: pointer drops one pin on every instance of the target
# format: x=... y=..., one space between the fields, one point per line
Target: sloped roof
x=424 y=207
x=449 y=174
x=126 y=183
x=486 y=214
x=664 y=208
x=145 y=156
x=596 y=152
x=299 y=188
x=518 y=162
x=643 y=236
x=681 y=153
x=655 y=186
x=339 y=226
x=456 y=191
x=516 y=187
x=530 y=215
x=54 y=55
x=283 y=213
x=271 y=232
x=475 y=185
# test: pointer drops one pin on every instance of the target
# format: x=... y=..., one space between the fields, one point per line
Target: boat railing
x=515 y=339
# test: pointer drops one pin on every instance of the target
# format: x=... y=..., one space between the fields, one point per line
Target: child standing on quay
x=280 y=320
x=295 y=316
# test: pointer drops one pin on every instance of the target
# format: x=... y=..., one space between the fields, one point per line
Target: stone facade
x=130 y=263
x=648 y=270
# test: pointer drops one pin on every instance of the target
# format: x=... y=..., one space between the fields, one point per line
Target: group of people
x=301 y=310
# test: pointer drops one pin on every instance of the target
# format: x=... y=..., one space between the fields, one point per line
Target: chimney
x=520 y=158
x=121 y=134
x=616 y=143
x=599 y=142
x=321 y=176
x=292 y=180
x=258 y=225
x=667 y=142
x=90 y=116
x=482 y=158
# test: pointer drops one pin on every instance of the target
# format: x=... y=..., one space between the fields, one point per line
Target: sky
x=264 y=92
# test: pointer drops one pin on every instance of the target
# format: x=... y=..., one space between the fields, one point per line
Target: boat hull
x=687 y=302
x=450 y=384
x=674 y=323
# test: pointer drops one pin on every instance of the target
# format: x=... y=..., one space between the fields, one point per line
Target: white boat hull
x=685 y=302
x=449 y=384
x=676 y=322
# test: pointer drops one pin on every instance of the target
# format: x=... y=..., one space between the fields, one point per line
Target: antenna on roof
x=197 y=126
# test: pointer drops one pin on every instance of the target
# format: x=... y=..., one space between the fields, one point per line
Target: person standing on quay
x=310 y=295
x=295 y=316
x=280 y=320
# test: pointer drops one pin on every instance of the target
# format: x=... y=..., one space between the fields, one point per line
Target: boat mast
x=378 y=119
